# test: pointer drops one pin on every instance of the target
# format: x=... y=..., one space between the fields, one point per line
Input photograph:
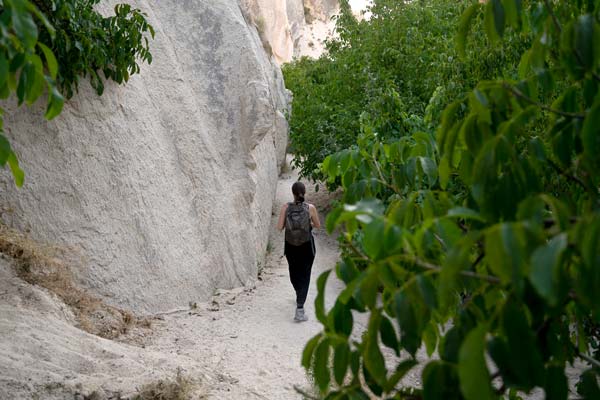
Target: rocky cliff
x=292 y=28
x=163 y=187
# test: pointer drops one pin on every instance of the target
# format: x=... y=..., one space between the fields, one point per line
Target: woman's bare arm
x=281 y=222
x=314 y=216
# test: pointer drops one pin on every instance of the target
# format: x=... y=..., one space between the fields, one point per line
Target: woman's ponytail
x=298 y=190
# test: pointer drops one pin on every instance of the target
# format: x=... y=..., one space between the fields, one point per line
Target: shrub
x=478 y=243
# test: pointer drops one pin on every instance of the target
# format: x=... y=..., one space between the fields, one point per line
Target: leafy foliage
x=477 y=240
x=46 y=45
x=398 y=69
x=87 y=43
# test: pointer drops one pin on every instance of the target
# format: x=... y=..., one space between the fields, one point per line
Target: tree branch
x=478 y=260
x=589 y=359
x=553 y=15
x=559 y=29
x=531 y=101
x=562 y=172
x=305 y=394
x=356 y=251
x=437 y=268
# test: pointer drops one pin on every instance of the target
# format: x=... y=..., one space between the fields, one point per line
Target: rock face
x=292 y=28
x=164 y=186
x=43 y=356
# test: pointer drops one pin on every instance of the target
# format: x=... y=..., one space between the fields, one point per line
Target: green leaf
x=427 y=291
x=525 y=359
x=489 y=22
x=525 y=65
x=55 y=103
x=36 y=79
x=458 y=259
x=429 y=169
x=500 y=353
x=373 y=384
x=320 y=299
x=39 y=15
x=444 y=172
x=545 y=263
x=4 y=68
x=499 y=17
x=24 y=82
x=465 y=213
x=556 y=387
x=355 y=362
x=368 y=288
x=449 y=117
x=372 y=356
x=430 y=338
x=512 y=11
x=325 y=165
x=388 y=335
x=410 y=339
x=5 y=150
x=345 y=161
x=309 y=349
x=588 y=385
x=341 y=361
x=342 y=319
x=401 y=369
x=332 y=219
x=569 y=51
x=23 y=25
x=51 y=62
x=393 y=239
x=472 y=370
x=440 y=382
x=590 y=133
x=374 y=238
x=584 y=40
x=504 y=249
x=17 y=172
x=321 y=365
x=464 y=26
x=347 y=271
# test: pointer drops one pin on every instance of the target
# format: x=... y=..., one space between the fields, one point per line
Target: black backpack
x=297 y=224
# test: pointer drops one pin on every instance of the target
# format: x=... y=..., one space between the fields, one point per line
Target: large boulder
x=164 y=186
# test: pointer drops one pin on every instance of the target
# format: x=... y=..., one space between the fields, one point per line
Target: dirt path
x=247 y=337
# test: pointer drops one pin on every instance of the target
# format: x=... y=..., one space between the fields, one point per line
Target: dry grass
x=179 y=388
x=44 y=266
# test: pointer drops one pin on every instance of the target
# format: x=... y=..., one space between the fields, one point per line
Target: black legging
x=300 y=260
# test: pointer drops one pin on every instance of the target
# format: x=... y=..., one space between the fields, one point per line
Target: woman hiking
x=298 y=219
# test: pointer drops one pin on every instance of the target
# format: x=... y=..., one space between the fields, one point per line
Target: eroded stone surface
x=292 y=28
x=164 y=186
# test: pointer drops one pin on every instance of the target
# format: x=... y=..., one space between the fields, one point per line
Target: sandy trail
x=247 y=337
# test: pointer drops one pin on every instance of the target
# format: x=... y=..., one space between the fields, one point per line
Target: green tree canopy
x=476 y=238
x=397 y=69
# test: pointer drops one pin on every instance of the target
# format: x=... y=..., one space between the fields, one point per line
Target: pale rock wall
x=163 y=186
x=292 y=28
x=270 y=19
x=320 y=9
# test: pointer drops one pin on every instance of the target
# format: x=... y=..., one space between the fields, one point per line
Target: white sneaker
x=300 y=316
